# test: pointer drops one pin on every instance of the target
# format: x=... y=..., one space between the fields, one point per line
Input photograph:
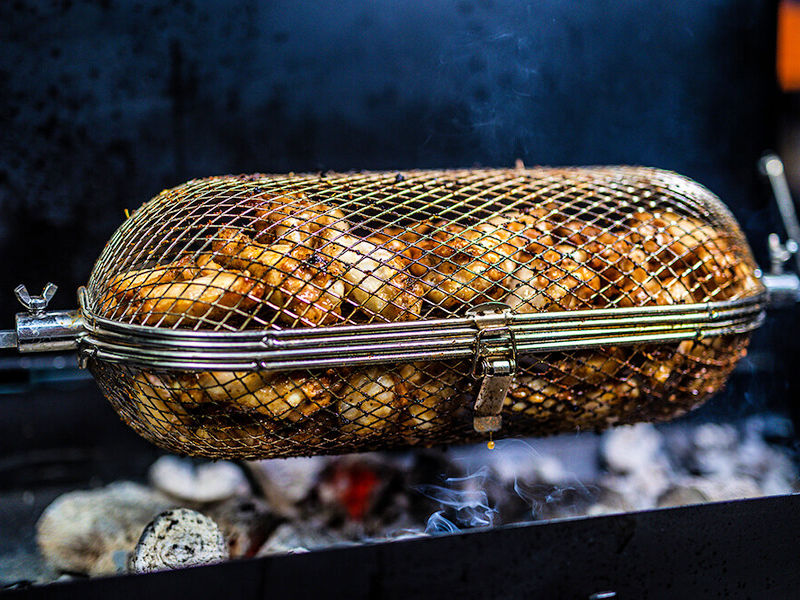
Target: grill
x=266 y=316
x=106 y=105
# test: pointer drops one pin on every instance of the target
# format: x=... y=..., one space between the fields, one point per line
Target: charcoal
x=246 y=523
x=714 y=448
x=639 y=467
x=720 y=489
x=293 y=538
x=632 y=448
x=93 y=532
x=285 y=482
x=194 y=483
x=681 y=495
x=362 y=492
x=178 y=538
x=321 y=502
x=609 y=502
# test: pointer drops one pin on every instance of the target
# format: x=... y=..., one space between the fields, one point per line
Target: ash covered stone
x=245 y=522
x=93 y=532
x=202 y=483
x=293 y=538
x=178 y=538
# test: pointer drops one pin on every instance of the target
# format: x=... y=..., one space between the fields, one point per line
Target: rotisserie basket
x=276 y=315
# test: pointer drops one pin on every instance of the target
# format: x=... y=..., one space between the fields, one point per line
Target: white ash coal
x=305 y=504
x=197 y=483
x=178 y=538
x=93 y=532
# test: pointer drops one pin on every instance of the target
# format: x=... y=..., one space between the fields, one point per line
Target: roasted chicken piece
x=292 y=396
x=378 y=280
x=610 y=403
x=220 y=386
x=588 y=367
x=594 y=406
x=558 y=278
x=534 y=396
x=465 y=265
x=590 y=267
x=295 y=218
x=698 y=254
x=183 y=293
x=302 y=284
x=618 y=263
x=426 y=391
x=126 y=287
x=289 y=396
x=158 y=407
x=204 y=299
x=369 y=402
x=230 y=433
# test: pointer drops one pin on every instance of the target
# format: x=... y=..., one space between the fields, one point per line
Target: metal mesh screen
x=286 y=252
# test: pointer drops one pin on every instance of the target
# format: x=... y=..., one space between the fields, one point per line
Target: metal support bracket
x=40 y=330
x=495 y=363
x=783 y=287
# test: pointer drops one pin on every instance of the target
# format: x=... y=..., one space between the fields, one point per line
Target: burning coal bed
x=194 y=512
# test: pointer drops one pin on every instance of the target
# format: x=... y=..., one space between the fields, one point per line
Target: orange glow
x=789 y=45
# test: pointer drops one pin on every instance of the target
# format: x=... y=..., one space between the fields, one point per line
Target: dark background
x=103 y=104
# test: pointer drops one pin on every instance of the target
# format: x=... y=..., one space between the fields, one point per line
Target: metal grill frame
x=408 y=341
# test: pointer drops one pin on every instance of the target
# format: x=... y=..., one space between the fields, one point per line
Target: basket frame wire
x=427 y=339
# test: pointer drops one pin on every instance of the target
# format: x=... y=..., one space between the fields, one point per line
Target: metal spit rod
x=40 y=330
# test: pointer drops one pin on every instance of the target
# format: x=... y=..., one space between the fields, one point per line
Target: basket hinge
x=495 y=363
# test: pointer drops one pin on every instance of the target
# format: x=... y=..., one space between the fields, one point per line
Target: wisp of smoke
x=470 y=506
x=439 y=524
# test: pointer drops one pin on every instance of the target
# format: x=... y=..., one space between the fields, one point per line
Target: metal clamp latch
x=495 y=363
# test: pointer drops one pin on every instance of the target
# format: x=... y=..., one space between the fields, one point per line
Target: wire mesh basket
x=277 y=315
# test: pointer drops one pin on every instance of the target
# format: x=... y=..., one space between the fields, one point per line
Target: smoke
x=439 y=524
x=463 y=499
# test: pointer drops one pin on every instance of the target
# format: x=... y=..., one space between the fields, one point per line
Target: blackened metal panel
x=742 y=549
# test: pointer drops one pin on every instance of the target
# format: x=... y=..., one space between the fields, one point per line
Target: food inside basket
x=320 y=411
x=289 y=260
x=297 y=264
